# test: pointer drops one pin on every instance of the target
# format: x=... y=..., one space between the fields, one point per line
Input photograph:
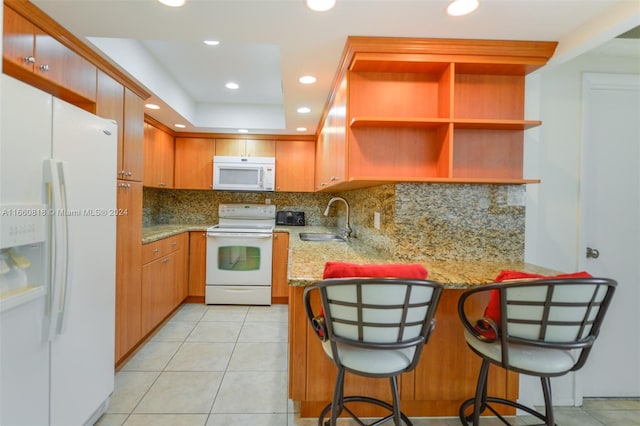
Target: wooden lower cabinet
x=197 y=265
x=444 y=378
x=128 y=268
x=279 y=279
x=164 y=279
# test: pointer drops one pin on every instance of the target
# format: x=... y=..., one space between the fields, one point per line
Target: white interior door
x=610 y=224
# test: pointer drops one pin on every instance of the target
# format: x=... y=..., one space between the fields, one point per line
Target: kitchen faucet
x=326 y=212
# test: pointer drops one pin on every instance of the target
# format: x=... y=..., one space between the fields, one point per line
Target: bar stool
x=373 y=327
x=545 y=328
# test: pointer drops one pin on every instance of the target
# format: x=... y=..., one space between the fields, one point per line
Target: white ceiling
x=267 y=44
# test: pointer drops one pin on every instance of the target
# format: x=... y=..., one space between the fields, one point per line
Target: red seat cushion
x=492 y=311
x=385 y=270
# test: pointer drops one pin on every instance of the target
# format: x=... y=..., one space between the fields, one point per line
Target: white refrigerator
x=57 y=259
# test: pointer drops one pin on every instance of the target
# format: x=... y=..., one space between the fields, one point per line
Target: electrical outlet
x=376 y=220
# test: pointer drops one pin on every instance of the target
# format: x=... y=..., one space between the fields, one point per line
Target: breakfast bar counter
x=307 y=260
x=447 y=372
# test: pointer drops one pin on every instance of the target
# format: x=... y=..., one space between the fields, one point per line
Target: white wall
x=552 y=153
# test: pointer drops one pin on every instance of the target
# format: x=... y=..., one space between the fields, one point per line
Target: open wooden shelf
x=428 y=110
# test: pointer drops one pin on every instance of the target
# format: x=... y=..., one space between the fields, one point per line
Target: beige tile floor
x=227 y=366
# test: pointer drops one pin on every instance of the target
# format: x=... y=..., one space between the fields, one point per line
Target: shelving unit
x=431 y=110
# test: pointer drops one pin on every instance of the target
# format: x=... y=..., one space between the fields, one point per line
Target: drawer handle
x=156 y=250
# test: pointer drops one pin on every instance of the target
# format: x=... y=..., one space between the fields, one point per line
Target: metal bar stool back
x=373 y=327
x=546 y=328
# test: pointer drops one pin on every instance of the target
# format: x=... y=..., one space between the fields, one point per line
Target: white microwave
x=244 y=173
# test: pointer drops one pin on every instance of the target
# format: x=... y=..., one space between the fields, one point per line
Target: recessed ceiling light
x=231 y=85
x=301 y=129
x=243 y=131
x=173 y=3
x=151 y=106
x=320 y=5
x=462 y=7
x=211 y=42
x=304 y=110
x=307 y=79
x=180 y=126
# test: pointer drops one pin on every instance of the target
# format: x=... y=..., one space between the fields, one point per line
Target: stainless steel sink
x=317 y=236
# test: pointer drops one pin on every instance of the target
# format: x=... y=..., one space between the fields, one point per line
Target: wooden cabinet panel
x=164 y=279
x=194 y=163
x=56 y=62
x=158 y=157
x=115 y=102
x=110 y=105
x=133 y=137
x=279 y=269
x=246 y=147
x=197 y=263
x=158 y=291
x=260 y=148
x=331 y=167
x=56 y=68
x=128 y=268
x=18 y=41
x=181 y=281
x=295 y=166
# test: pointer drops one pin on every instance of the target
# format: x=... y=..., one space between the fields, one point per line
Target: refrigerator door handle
x=54 y=172
x=63 y=168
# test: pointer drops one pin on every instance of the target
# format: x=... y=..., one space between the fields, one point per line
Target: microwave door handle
x=261 y=183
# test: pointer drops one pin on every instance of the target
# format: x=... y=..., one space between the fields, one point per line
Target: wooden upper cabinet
x=18 y=41
x=117 y=103
x=295 y=165
x=110 y=105
x=331 y=167
x=246 y=147
x=194 y=163
x=431 y=110
x=158 y=157
x=133 y=137
x=53 y=66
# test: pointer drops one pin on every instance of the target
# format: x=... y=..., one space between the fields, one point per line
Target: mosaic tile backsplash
x=423 y=222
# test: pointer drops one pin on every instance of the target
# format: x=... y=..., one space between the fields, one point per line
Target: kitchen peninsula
x=447 y=372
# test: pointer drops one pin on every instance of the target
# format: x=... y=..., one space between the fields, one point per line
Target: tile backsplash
x=428 y=221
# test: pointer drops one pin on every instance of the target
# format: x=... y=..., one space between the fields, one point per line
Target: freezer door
x=82 y=350
x=25 y=142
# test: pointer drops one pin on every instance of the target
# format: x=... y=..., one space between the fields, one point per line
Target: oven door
x=239 y=258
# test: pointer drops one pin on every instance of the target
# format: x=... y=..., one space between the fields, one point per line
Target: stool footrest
x=366 y=399
x=465 y=419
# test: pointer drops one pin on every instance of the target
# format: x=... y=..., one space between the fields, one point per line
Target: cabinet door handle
x=29 y=60
x=165 y=261
x=44 y=68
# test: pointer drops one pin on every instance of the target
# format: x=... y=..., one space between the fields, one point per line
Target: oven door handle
x=238 y=235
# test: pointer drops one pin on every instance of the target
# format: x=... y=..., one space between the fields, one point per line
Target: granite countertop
x=307 y=259
x=158 y=232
